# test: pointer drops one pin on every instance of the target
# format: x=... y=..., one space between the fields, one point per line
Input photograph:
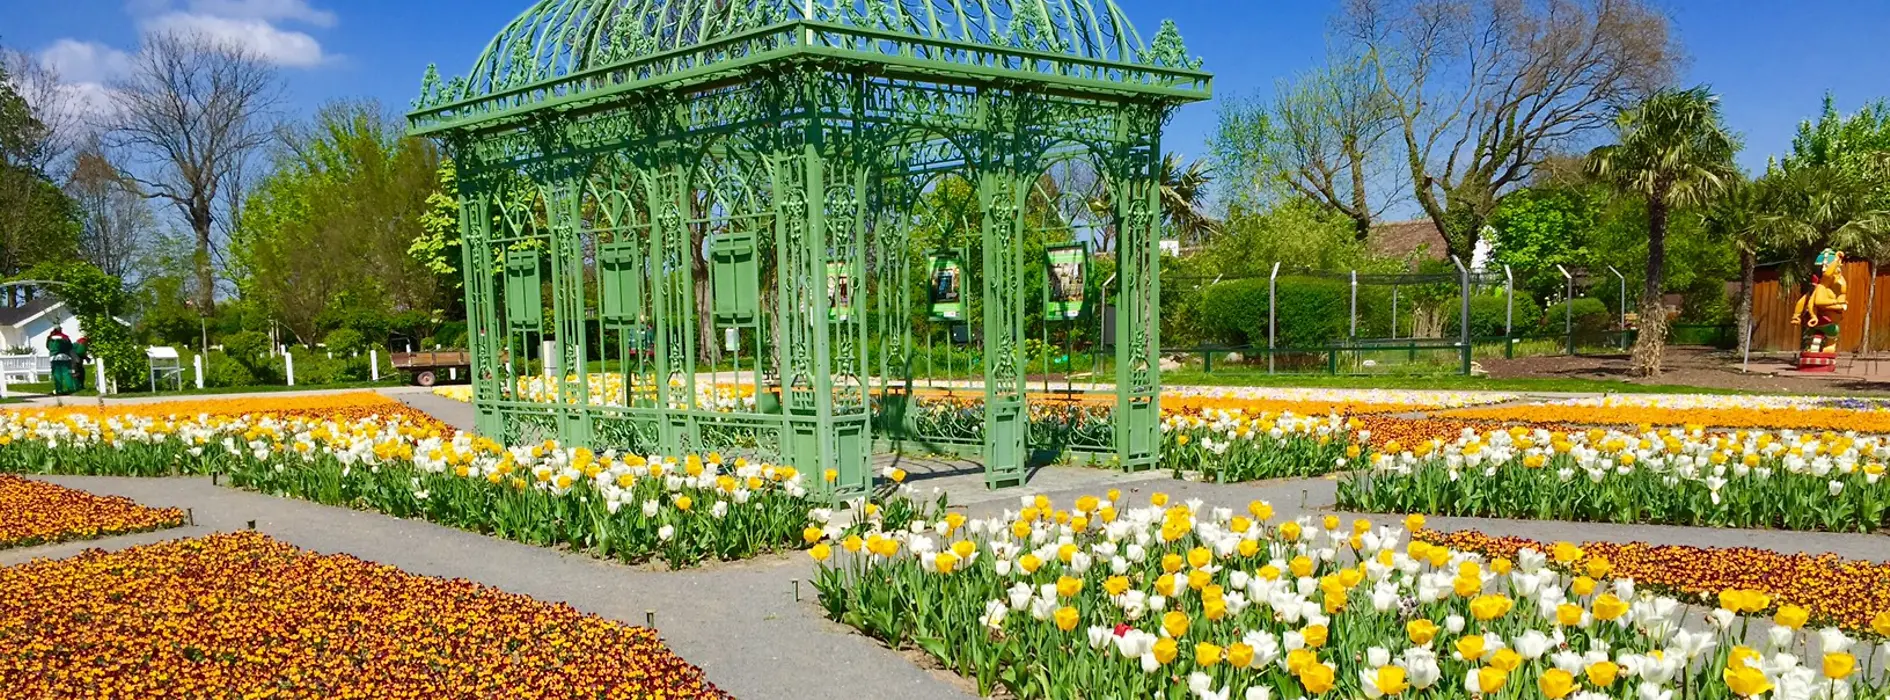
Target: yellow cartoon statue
x=1820 y=310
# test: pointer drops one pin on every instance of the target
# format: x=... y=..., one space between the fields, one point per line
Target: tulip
x=1383 y=681
x=1746 y=681
x=1316 y=678
x=1206 y=655
x=1839 y=665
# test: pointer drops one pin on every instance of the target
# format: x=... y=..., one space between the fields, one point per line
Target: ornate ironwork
x=623 y=140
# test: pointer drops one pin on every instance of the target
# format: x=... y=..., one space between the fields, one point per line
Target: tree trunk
x=1653 y=329
x=206 y=281
x=1748 y=264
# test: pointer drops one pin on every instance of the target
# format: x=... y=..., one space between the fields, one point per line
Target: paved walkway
x=740 y=621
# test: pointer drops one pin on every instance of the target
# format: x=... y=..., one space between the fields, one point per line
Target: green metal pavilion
x=606 y=150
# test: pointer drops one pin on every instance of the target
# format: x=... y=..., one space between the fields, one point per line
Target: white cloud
x=283 y=47
x=89 y=103
x=269 y=10
x=84 y=61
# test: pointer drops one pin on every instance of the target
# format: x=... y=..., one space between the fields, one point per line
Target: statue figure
x=1820 y=310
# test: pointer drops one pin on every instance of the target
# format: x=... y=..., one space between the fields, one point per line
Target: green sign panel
x=839 y=290
x=947 y=288
x=1067 y=269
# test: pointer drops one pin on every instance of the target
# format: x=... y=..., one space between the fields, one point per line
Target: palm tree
x=1675 y=151
x=1184 y=192
x=1823 y=205
x=1738 y=215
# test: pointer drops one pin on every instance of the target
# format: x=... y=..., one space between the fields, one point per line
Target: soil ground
x=1690 y=366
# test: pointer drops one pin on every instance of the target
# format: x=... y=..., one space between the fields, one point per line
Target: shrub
x=222 y=371
x=1313 y=311
x=1489 y=315
x=345 y=341
x=246 y=346
x=1592 y=318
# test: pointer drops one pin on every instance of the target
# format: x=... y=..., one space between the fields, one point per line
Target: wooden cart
x=425 y=367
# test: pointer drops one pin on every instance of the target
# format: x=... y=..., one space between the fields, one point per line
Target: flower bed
x=241 y=615
x=1765 y=412
x=1854 y=595
x=682 y=508
x=1103 y=599
x=1744 y=479
x=1228 y=446
x=347 y=406
x=35 y=512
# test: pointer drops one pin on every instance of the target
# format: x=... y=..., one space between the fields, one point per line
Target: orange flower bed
x=35 y=512
x=1846 y=593
x=347 y=406
x=244 y=616
x=1411 y=431
x=1182 y=405
x=1773 y=419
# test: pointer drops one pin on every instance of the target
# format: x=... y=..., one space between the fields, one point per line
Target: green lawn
x=1440 y=382
x=46 y=388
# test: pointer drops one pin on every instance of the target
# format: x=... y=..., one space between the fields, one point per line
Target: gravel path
x=740 y=621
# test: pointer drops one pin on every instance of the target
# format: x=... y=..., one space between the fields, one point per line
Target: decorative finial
x=1168 y=49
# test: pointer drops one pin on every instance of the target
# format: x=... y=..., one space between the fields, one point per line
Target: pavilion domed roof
x=557 y=38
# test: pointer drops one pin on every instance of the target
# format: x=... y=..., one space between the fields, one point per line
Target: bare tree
x=116 y=220
x=1330 y=129
x=53 y=105
x=192 y=112
x=1481 y=90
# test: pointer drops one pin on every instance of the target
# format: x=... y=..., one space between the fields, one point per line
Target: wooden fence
x=1772 y=310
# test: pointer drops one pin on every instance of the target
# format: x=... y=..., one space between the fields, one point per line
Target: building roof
x=1399 y=239
x=567 y=51
x=18 y=315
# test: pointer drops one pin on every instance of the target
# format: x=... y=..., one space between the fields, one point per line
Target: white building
x=28 y=325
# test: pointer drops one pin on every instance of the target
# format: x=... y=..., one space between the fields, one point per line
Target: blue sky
x=1771 y=60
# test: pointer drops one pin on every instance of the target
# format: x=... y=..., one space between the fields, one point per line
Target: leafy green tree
x=1539 y=228
x=1674 y=151
x=38 y=222
x=333 y=224
x=96 y=299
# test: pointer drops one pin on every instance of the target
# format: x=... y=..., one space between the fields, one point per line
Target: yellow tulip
x=1791 y=616
x=1490 y=680
x=1066 y=618
x=1555 y=684
x=1315 y=636
x=820 y=552
x=1421 y=631
x=1506 y=659
x=1608 y=607
x=1206 y=655
x=1391 y=680
x=1239 y=655
x=1069 y=586
x=1316 y=678
x=1839 y=665
x=1746 y=681
x=1175 y=623
x=1165 y=650
x=1602 y=673
x=1470 y=647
